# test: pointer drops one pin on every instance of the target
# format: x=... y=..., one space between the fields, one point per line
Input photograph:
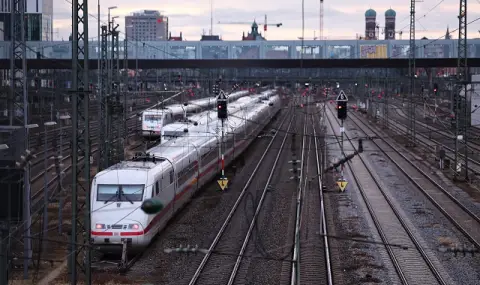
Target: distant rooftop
x=147 y=13
x=210 y=38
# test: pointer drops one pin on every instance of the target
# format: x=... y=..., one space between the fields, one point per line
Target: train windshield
x=156 y=118
x=120 y=193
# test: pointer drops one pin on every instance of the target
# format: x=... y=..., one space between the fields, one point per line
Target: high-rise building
x=390 y=16
x=370 y=24
x=147 y=25
x=38 y=20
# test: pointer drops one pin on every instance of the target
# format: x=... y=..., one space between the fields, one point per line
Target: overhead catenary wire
x=423 y=16
x=435 y=40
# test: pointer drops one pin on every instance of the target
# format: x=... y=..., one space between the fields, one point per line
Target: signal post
x=342 y=100
x=222 y=114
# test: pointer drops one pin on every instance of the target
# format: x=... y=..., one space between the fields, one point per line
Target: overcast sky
x=342 y=20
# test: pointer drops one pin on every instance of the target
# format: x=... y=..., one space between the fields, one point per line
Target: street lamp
x=24 y=163
x=45 y=184
x=98 y=51
x=109 y=29
x=109 y=9
x=62 y=118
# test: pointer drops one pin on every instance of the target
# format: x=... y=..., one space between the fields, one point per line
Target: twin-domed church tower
x=371 y=24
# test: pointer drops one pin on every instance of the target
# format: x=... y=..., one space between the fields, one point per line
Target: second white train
x=171 y=173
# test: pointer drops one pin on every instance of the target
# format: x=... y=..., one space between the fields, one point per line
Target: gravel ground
x=196 y=224
x=429 y=222
x=312 y=250
x=273 y=236
x=353 y=262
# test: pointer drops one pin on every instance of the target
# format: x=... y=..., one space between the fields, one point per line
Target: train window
x=171 y=177
x=157 y=189
x=153 y=117
x=120 y=192
x=107 y=192
x=131 y=193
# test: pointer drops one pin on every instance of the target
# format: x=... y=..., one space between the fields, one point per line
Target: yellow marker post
x=342 y=184
x=223 y=182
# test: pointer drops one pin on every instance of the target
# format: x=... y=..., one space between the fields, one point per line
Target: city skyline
x=341 y=20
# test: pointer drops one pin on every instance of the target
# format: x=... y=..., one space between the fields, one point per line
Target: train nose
x=110 y=228
x=109 y=237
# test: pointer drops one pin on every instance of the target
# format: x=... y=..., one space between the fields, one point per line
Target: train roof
x=203 y=103
x=173 y=150
x=123 y=171
x=196 y=123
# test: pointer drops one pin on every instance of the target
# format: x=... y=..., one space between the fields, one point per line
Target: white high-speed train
x=235 y=108
x=171 y=173
x=153 y=120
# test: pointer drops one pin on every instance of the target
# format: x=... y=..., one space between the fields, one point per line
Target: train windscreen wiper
x=126 y=197
x=111 y=198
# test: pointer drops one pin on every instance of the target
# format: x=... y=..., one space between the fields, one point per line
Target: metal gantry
x=125 y=90
x=462 y=118
x=116 y=108
x=385 y=103
x=80 y=144
x=19 y=101
x=411 y=70
x=104 y=79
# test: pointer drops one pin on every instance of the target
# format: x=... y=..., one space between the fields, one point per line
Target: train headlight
x=100 y=226
x=134 y=226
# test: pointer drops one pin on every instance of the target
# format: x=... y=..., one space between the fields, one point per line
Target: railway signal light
x=342 y=110
x=222 y=109
x=435 y=88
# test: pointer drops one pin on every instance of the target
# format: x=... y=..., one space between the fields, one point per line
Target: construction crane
x=321 y=19
x=265 y=25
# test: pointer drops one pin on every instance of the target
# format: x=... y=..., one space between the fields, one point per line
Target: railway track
x=461 y=216
x=315 y=259
x=223 y=269
x=430 y=143
x=413 y=266
x=37 y=140
x=311 y=259
x=448 y=133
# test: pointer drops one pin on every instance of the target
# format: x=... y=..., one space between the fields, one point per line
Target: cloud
x=342 y=19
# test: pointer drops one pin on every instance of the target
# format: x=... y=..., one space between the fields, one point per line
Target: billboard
x=340 y=52
x=436 y=51
x=373 y=51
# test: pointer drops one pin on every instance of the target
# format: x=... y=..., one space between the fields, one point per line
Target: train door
x=172 y=180
x=164 y=190
x=196 y=165
x=167 y=118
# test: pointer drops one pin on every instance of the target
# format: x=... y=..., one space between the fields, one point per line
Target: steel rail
x=295 y=276
x=323 y=218
x=462 y=207
x=220 y=233
x=257 y=211
x=398 y=267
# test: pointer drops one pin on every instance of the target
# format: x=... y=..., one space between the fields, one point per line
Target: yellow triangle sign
x=223 y=183
x=342 y=185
